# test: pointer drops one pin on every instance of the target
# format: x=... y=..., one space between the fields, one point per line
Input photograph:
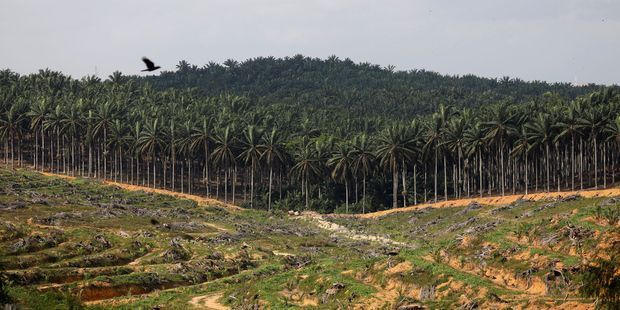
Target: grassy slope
x=78 y=241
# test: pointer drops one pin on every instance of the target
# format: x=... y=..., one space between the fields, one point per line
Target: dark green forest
x=305 y=133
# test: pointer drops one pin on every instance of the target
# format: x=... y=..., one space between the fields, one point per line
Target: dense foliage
x=300 y=132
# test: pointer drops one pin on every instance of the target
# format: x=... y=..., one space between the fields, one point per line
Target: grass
x=233 y=252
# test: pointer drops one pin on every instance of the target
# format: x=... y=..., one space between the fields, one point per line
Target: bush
x=5 y=298
x=611 y=214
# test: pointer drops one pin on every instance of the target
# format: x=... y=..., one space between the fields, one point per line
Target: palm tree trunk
x=404 y=186
x=435 y=174
x=595 y=165
x=559 y=169
x=36 y=151
x=226 y=185
x=480 y=171
x=415 y=187
x=445 y=179
x=252 y=186
x=581 y=163
x=206 y=146
x=307 y=194
x=346 y=191
x=501 y=163
x=234 y=183
x=547 y=164
x=42 y=149
x=154 y=171
x=526 y=183
x=364 y=193
x=604 y=164
x=270 y=185
x=394 y=185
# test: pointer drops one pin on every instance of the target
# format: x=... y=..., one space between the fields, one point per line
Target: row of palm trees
x=183 y=142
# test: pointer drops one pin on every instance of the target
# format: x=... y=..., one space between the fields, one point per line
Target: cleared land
x=80 y=242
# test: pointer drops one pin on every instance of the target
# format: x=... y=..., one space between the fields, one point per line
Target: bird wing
x=148 y=62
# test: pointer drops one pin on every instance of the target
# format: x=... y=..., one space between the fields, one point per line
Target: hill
x=360 y=90
x=85 y=244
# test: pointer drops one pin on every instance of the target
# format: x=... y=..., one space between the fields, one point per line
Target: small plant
x=523 y=230
x=611 y=214
x=5 y=298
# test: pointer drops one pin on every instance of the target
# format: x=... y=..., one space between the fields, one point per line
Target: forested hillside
x=352 y=90
x=316 y=134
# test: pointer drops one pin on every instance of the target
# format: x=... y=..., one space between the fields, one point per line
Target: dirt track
x=492 y=200
x=199 y=199
x=497 y=200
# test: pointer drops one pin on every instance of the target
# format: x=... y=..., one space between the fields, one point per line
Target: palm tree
x=117 y=143
x=454 y=141
x=475 y=142
x=11 y=127
x=224 y=155
x=393 y=148
x=104 y=116
x=307 y=167
x=570 y=126
x=251 y=154
x=434 y=136
x=37 y=114
x=497 y=131
x=187 y=153
x=613 y=131
x=522 y=147
x=273 y=153
x=72 y=125
x=201 y=137
x=363 y=162
x=541 y=135
x=150 y=142
x=342 y=165
x=54 y=123
x=592 y=120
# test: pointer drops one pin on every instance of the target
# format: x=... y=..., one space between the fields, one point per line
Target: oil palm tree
x=498 y=129
x=12 y=127
x=475 y=143
x=150 y=143
x=341 y=163
x=306 y=168
x=393 y=148
x=37 y=114
x=224 y=155
x=540 y=131
x=593 y=123
x=570 y=126
x=105 y=114
x=201 y=137
x=273 y=153
x=250 y=154
x=363 y=161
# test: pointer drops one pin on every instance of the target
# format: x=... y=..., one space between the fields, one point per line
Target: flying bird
x=150 y=66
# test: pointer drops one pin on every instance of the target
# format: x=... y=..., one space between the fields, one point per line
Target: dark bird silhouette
x=150 y=66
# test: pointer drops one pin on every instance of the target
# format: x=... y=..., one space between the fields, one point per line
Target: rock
x=411 y=306
x=427 y=293
x=458 y=226
x=336 y=287
x=470 y=305
x=474 y=205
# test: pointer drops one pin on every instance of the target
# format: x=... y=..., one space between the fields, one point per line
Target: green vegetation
x=329 y=135
x=69 y=244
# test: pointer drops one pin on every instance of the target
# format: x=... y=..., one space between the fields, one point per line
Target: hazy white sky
x=552 y=40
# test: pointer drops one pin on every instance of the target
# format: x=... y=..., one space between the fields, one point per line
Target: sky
x=550 y=40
